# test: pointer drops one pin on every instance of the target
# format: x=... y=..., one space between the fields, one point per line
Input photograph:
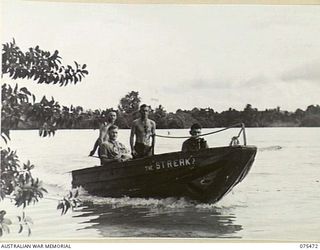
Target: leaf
x=62 y=79
x=4 y=138
x=15 y=89
x=68 y=205
x=59 y=205
x=25 y=90
x=20 y=229
x=2 y=214
x=19 y=218
x=29 y=231
x=76 y=193
x=84 y=66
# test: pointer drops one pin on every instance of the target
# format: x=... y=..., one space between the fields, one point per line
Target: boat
x=206 y=175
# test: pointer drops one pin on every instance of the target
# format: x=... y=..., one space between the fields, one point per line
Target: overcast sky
x=180 y=56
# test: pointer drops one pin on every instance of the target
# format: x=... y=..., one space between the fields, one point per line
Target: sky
x=179 y=56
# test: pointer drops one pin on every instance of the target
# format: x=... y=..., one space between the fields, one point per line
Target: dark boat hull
x=205 y=175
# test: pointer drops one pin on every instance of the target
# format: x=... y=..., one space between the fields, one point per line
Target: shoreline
x=172 y=128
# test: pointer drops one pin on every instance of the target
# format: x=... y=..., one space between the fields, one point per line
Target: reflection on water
x=159 y=218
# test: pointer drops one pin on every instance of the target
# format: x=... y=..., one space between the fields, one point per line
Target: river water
x=279 y=200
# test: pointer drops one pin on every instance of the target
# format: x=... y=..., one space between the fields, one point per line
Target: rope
x=210 y=133
x=240 y=132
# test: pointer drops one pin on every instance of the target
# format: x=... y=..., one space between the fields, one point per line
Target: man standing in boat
x=113 y=150
x=194 y=143
x=144 y=131
x=103 y=133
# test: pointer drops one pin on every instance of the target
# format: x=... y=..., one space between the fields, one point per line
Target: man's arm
x=102 y=133
x=133 y=131
x=153 y=135
x=125 y=153
x=95 y=146
x=184 y=146
x=206 y=144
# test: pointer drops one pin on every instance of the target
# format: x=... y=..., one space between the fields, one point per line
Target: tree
x=130 y=103
x=312 y=109
x=160 y=117
x=128 y=109
x=250 y=116
x=20 y=106
x=311 y=120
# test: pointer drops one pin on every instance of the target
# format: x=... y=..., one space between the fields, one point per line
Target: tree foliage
x=130 y=103
x=75 y=117
x=19 y=108
x=17 y=180
x=39 y=65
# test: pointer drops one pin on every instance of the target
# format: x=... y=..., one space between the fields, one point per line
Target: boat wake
x=166 y=203
x=270 y=148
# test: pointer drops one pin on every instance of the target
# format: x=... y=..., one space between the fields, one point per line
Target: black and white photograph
x=160 y=121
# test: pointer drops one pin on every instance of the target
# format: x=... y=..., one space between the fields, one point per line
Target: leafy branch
x=24 y=221
x=4 y=223
x=39 y=65
x=17 y=181
x=19 y=106
x=71 y=201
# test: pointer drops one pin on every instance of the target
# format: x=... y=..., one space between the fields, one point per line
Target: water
x=278 y=200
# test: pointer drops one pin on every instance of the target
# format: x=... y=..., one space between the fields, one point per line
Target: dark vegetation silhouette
x=75 y=117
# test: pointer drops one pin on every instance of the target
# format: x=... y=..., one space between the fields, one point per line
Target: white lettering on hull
x=171 y=164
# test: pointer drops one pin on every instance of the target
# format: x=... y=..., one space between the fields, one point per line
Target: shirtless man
x=103 y=133
x=144 y=130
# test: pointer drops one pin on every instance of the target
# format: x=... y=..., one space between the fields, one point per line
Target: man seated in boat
x=194 y=143
x=113 y=150
x=143 y=129
x=103 y=134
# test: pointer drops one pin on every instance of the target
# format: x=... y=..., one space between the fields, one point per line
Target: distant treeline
x=75 y=117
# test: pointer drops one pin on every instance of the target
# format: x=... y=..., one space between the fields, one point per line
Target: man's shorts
x=142 y=150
